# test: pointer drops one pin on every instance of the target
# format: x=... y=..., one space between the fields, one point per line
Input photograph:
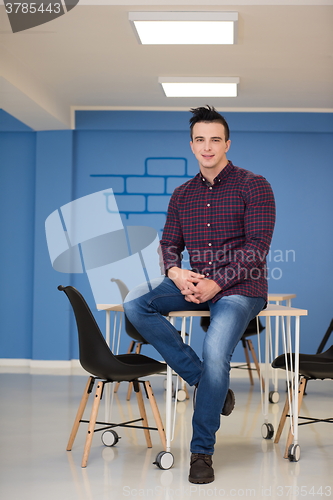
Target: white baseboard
x=40 y=366
x=71 y=367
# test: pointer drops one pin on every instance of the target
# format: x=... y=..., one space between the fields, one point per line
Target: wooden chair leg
x=138 y=348
x=116 y=387
x=247 y=358
x=156 y=413
x=143 y=414
x=92 y=422
x=80 y=411
x=129 y=391
x=256 y=364
x=301 y=388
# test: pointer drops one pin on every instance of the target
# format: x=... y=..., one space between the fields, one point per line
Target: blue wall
x=143 y=156
x=17 y=181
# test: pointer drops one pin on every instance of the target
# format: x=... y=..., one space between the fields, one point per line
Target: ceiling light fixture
x=199 y=87
x=185 y=28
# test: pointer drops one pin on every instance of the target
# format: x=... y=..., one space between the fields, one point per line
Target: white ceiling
x=90 y=59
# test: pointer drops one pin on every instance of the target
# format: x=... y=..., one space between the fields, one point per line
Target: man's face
x=209 y=145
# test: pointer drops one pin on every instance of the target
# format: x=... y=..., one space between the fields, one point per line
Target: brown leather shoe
x=229 y=403
x=201 y=470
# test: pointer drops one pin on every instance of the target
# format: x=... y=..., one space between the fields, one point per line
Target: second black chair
x=311 y=367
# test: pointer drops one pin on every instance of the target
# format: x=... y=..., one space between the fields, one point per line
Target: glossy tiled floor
x=36 y=416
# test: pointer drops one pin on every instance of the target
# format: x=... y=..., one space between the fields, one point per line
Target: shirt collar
x=221 y=176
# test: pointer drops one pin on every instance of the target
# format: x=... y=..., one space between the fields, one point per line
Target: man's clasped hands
x=194 y=286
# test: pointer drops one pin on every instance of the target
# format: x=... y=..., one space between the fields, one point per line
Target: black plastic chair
x=252 y=329
x=97 y=359
x=321 y=346
x=311 y=367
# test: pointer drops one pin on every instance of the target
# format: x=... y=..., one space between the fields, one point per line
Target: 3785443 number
x=303 y=491
x=32 y=8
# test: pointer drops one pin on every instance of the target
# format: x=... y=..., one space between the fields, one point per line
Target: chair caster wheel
x=164 y=460
x=274 y=397
x=181 y=395
x=110 y=438
x=267 y=431
x=294 y=453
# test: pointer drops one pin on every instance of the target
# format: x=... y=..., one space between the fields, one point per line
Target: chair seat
x=312 y=366
x=142 y=363
x=129 y=367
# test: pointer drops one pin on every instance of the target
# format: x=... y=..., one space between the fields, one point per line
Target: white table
x=118 y=309
x=277 y=298
x=290 y=344
x=290 y=341
x=281 y=297
x=290 y=338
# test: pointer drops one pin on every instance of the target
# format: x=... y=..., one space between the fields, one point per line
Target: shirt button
x=208 y=204
x=210 y=187
x=208 y=225
x=210 y=263
x=207 y=274
x=209 y=244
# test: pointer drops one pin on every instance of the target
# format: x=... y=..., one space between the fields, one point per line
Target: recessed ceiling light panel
x=199 y=87
x=185 y=28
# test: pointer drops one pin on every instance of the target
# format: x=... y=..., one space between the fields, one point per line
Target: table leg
x=168 y=409
x=107 y=387
x=182 y=394
x=276 y=353
x=267 y=430
x=114 y=345
x=267 y=350
x=296 y=378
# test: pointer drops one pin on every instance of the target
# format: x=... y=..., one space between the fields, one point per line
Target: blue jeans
x=229 y=317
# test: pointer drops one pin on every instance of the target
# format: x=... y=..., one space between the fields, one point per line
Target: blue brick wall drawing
x=143 y=199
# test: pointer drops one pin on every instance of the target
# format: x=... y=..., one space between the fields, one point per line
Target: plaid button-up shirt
x=226 y=228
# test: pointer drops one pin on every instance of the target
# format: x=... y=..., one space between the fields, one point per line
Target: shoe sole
x=201 y=481
x=231 y=405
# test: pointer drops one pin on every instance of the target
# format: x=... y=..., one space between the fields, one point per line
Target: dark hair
x=208 y=114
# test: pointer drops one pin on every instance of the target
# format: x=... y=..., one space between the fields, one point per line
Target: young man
x=224 y=217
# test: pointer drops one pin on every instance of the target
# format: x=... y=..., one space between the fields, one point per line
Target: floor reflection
x=40 y=410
